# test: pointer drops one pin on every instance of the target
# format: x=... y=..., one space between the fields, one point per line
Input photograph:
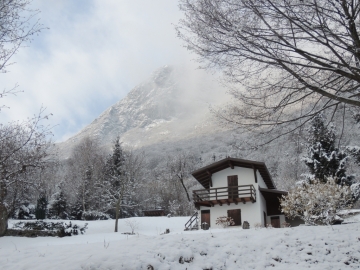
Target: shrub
x=225 y=221
x=95 y=215
x=62 y=229
x=25 y=211
x=133 y=224
x=285 y=225
x=316 y=203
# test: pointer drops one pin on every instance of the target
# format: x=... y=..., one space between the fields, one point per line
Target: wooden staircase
x=193 y=223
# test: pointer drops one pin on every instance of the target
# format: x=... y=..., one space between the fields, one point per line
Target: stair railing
x=189 y=224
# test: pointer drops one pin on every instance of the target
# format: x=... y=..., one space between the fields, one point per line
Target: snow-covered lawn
x=336 y=247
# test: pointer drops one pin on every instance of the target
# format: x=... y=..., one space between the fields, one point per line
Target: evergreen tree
x=76 y=210
x=41 y=207
x=58 y=205
x=324 y=159
x=117 y=184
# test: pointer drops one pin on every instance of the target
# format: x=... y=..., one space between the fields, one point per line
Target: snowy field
x=336 y=247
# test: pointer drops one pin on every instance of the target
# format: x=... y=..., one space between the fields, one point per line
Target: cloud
x=94 y=53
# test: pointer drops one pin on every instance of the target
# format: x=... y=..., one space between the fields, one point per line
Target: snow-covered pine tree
x=116 y=185
x=324 y=160
x=76 y=209
x=58 y=204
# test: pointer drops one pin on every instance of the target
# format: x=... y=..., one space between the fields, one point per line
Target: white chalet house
x=237 y=188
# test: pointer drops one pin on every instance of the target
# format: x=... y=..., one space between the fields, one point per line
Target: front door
x=275 y=222
x=235 y=214
x=233 y=186
x=205 y=216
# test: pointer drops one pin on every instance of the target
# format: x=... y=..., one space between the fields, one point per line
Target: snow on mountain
x=173 y=104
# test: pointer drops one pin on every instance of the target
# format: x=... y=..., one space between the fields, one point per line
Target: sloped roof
x=203 y=175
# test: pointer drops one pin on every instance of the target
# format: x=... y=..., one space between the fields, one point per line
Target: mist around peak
x=172 y=104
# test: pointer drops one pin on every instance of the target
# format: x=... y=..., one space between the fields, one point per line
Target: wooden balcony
x=224 y=195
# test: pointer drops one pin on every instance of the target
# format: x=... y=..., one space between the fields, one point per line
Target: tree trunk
x=3 y=210
x=117 y=211
x=3 y=219
x=186 y=191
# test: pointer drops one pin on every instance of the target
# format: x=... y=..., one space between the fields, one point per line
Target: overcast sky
x=92 y=55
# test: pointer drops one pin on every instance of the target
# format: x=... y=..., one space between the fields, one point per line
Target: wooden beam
x=243 y=200
x=255 y=173
x=210 y=178
x=227 y=202
x=219 y=202
x=231 y=165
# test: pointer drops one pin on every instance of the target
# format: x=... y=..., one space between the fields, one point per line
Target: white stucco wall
x=245 y=176
x=262 y=208
x=249 y=212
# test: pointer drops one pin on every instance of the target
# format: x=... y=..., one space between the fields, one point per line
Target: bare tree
x=133 y=224
x=85 y=168
x=18 y=25
x=180 y=165
x=284 y=60
x=23 y=146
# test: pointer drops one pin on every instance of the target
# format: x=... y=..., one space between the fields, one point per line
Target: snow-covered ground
x=336 y=247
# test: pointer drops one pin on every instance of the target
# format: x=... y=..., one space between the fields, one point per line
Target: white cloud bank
x=93 y=54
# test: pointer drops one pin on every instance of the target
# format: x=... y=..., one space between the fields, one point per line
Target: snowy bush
x=285 y=225
x=355 y=190
x=25 y=211
x=95 y=215
x=225 y=221
x=62 y=229
x=174 y=207
x=258 y=226
x=133 y=224
x=316 y=203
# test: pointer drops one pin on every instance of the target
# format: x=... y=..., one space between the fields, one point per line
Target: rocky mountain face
x=170 y=106
x=169 y=113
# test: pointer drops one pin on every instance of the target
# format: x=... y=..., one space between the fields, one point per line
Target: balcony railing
x=224 y=195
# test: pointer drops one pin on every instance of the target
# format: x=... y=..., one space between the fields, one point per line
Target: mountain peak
x=167 y=106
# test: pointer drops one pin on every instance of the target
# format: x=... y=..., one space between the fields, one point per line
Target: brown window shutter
x=235 y=214
x=233 y=186
x=232 y=180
